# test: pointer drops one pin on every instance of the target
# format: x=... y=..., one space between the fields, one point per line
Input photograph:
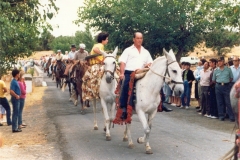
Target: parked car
x=191 y=60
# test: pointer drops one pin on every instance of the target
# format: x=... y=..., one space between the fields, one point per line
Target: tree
x=84 y=37
x=20 y=22
x=179 y=25
x=62 y=43
x=45 y=40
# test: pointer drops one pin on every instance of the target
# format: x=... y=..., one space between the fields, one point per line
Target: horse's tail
x=64 y=86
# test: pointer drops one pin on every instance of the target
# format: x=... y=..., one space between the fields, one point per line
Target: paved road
x=181 y=134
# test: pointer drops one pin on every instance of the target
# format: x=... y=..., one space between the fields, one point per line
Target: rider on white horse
x=133 y=58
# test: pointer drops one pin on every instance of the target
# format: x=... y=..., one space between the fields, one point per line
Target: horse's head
x=174 y=72
x=109 y=64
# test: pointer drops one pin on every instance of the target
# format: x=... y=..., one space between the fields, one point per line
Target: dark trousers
x=205 y=100
x=222 y=95
x=124 y=91
x=6 y=106
x=213 y=102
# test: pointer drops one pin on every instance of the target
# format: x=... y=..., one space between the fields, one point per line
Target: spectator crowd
x=213 y=82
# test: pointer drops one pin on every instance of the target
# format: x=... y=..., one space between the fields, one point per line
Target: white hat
x=81 y=45
x=58 y=50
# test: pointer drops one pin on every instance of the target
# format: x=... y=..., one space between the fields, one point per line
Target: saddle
x=141 y=73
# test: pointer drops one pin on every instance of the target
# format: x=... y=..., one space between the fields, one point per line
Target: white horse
x=106 y=91
x=163 y=69
x=107 y=87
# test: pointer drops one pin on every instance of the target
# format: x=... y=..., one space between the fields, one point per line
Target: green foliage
x=167 y=23
x=20 y=22
x=219 y=39
x=64 y=42
x=45 y=40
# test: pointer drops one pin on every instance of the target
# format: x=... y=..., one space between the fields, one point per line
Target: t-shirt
x=15 y=87
x=2 y=85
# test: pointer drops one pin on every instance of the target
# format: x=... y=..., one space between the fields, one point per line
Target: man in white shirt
x=133 y=58
x=71 y=56
x=205 y=75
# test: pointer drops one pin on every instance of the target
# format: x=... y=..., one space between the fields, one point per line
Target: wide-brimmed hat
x=73 y=46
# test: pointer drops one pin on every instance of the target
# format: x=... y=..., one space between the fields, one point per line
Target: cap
x=73 y=46
x=220 y=58
x=59 y=50
x=81 y=45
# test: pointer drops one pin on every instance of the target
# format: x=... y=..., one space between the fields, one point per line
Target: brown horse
x=78 y=72
x=47 y=65
x=59 y=73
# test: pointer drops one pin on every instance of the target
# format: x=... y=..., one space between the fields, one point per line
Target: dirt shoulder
x=32 y=142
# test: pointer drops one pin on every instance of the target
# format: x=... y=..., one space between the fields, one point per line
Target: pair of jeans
x=124 y=91
x=223 y=101
x=21 y=105
x=15 y=105
x=6 y=106
x=186 y=93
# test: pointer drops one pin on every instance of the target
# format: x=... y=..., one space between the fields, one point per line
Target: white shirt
x=135 y=60
x=236 y=73
x=71 y=54
x=205 y=77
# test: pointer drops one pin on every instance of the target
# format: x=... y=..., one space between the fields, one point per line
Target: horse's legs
x=147 y=129
x=95 y=114
x=128 y=131
x=107 y=119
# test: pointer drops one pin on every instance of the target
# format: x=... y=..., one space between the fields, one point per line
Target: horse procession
x=99 y=76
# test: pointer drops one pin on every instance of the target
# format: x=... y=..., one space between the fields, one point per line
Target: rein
x=168 y=77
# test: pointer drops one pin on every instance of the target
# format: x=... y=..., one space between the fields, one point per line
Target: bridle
x=167 y=75
x=111 y=72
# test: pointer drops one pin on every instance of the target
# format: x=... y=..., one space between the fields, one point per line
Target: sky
x=62 y=23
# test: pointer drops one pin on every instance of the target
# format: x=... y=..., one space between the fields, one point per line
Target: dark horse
x=234 y=153
x=47 y=65
x=59 y=73
x=78 y=72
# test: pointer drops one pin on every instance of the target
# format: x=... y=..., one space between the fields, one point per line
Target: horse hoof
x=95 y=128
x=108 y=138
x=131 y=146
x=70 y=99
x=125 y=139
x=140 y=142
x=149 y=152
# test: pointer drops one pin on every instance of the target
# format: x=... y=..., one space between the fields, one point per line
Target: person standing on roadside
x=222 y=76
x=15 y=99
x=22 y=86
x=188 y=78
x=212 y=99
x=205 y=74
x=4 y=101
